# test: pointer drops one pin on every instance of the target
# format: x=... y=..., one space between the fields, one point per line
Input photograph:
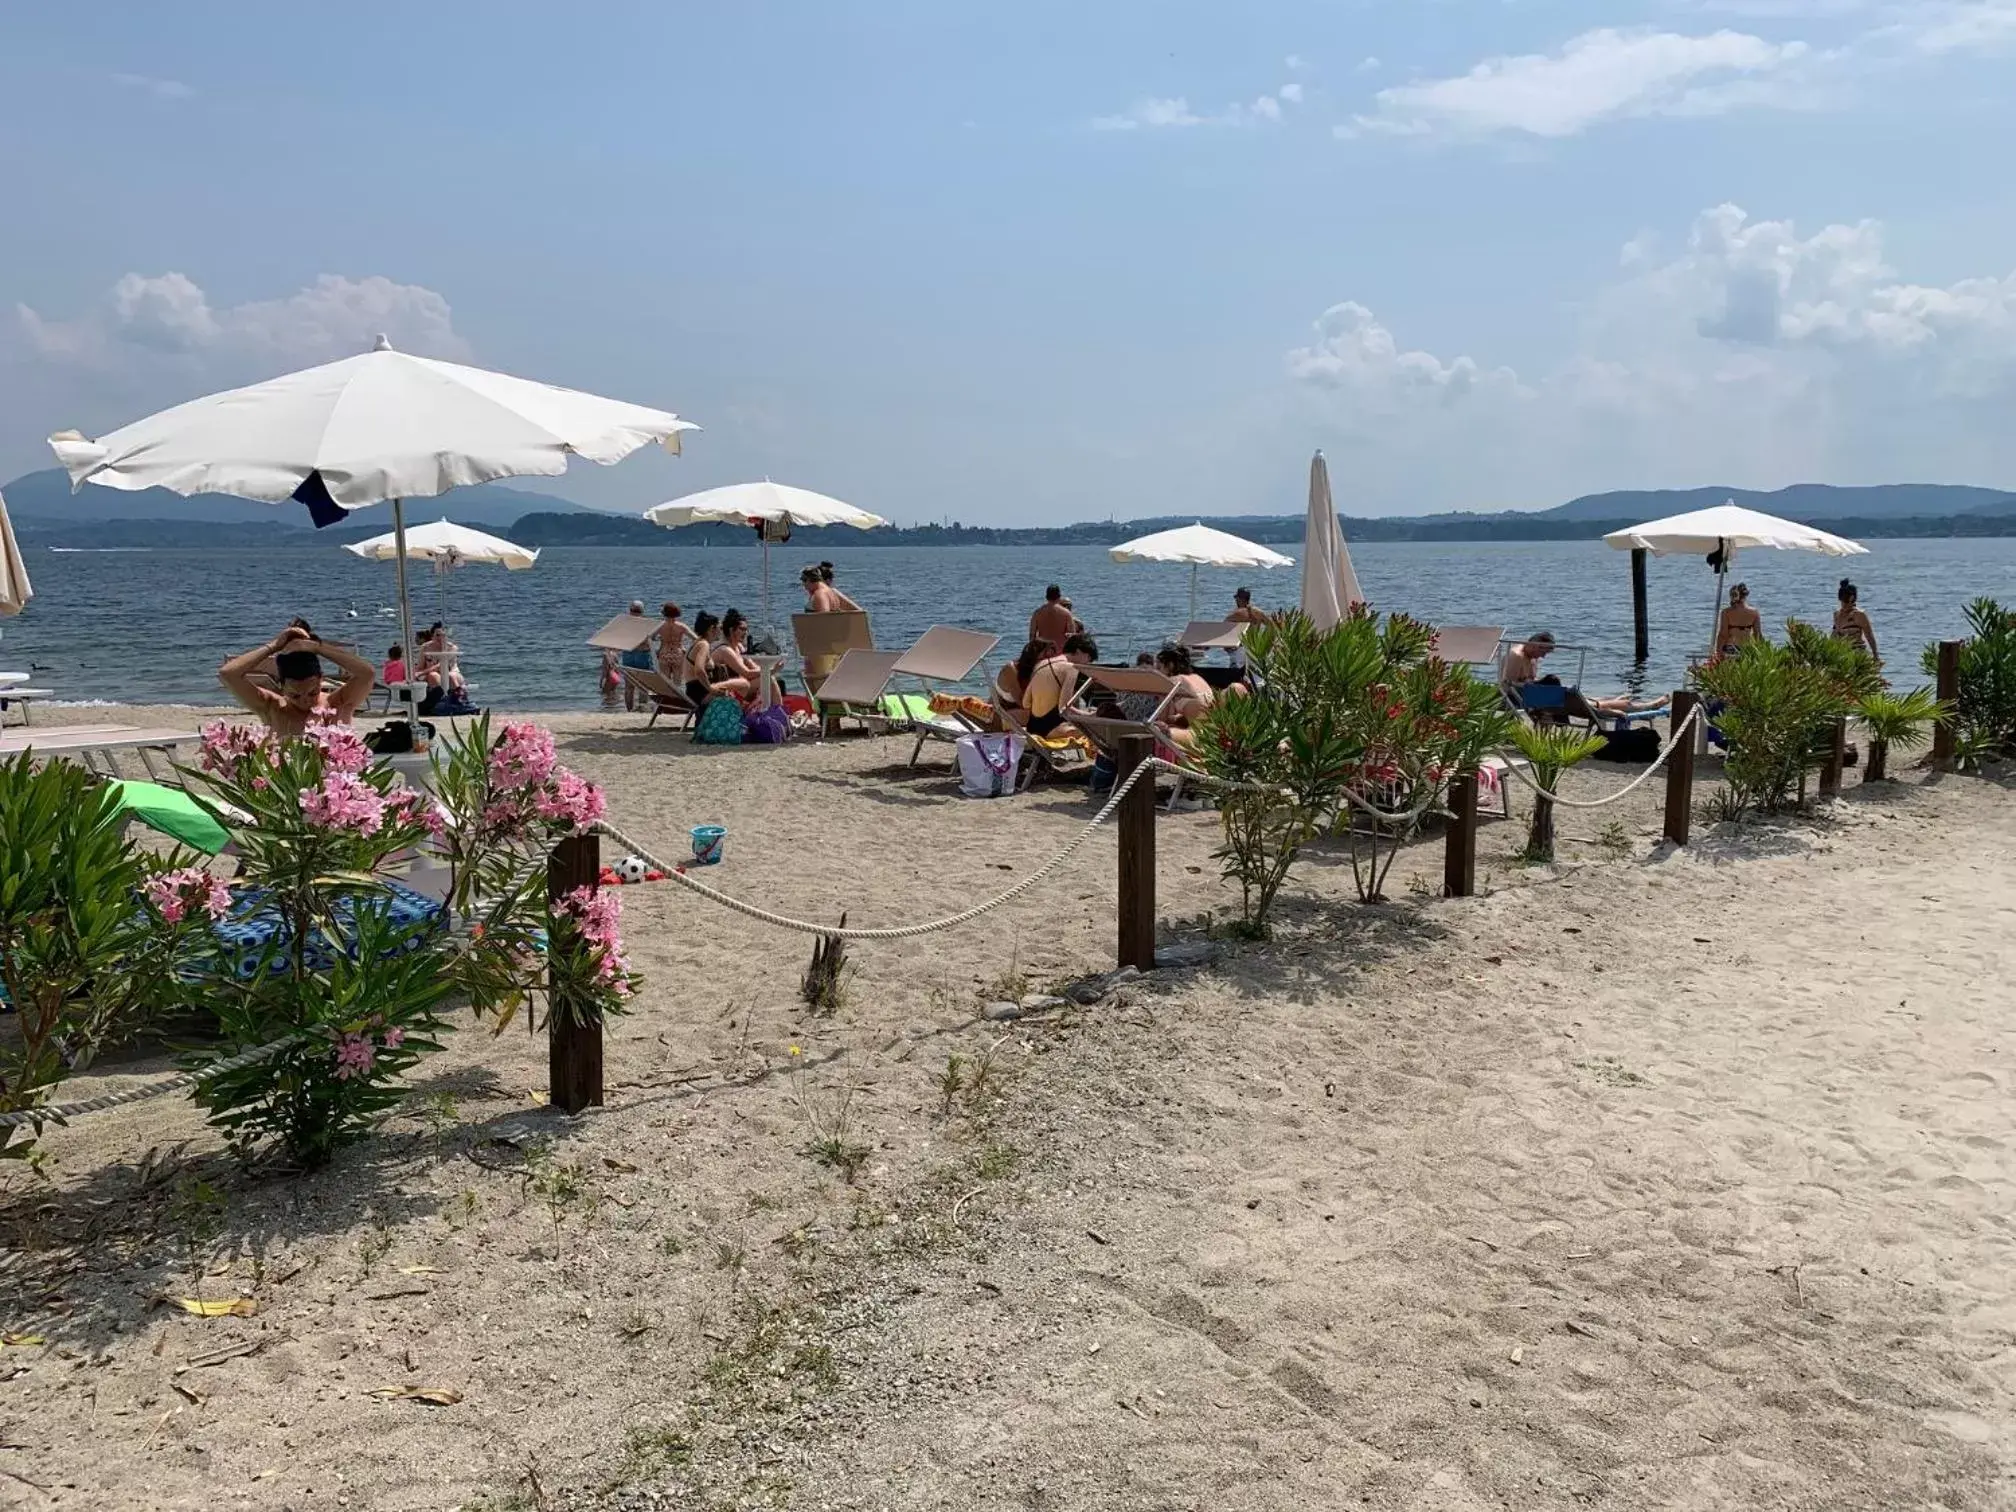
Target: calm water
x=153 y=625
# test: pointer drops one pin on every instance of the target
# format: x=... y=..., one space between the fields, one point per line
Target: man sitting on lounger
x=297 y=658
x=1519 y=669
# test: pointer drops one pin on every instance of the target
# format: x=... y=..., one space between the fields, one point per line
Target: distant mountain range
x=46 y=513
x=43 y=500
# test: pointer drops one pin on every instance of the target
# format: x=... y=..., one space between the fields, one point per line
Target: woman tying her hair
x=1048 y=678
x=297 y=659
x=1851 y=622
x=671 y=638
x=821 y=597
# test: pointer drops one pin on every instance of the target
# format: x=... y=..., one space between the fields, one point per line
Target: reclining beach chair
x=95 y=747
x=856 y=688
x=822 y=641
x=1468 y=645
x=1149 y=691
x=943 y=656
x=664 y=696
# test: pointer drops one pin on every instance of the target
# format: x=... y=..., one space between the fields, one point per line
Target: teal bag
x=720 y=722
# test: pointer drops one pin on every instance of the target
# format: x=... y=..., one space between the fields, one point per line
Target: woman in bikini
x=1193 y=694
x=1740 y=624
x=821 y=597
x=1048 y=678
x=1851 y=622
x=733 y=668
x=703 y=677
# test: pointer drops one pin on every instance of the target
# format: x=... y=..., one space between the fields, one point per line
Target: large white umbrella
x=772 y=508
x=1725 y=530
x=1199 y=546
x=380 y=426
x=1329 y=586
x=14 y=589
x=448 y=546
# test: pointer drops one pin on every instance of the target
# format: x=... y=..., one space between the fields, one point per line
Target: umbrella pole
x=405 y=604
x=768 y=628
x=1193 y=590
x=1721 y=580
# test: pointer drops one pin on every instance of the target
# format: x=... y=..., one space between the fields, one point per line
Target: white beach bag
x=987 y=764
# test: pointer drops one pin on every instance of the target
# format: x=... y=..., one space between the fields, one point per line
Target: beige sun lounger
x=626 y=632
x=94 y=746
x=665 y=696
x=14 y=693
x=1105 y=733
x=1039 y=752
x=1212 y=635
x=1469 y=645
x=854 y=687
x=822 y=639
x=943 y=654
x=1144 y=680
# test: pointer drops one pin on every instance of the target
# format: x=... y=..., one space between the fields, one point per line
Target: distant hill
x=44 y=498
x=1805 y=502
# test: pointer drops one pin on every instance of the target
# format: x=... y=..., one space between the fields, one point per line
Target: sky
x=1054 y=261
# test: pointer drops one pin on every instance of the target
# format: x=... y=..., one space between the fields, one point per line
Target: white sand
x=1340 y=1178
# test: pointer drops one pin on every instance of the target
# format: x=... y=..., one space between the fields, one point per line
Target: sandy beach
x=1651 y=1179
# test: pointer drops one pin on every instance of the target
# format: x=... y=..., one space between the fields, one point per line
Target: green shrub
x=1358 y=711
x=1552 y=750
x=1984 y=713
x=1902 y=720
x=93 y=932
x=1777 y=706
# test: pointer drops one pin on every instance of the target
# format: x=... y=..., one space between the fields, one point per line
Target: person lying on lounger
x=297 y=660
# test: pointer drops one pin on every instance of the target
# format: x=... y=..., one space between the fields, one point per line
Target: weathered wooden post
x=1137 y=856
x=1459 y=853
x=1836 y=759
x=1945 y=731
x=573 y=1031
x=1680 y=770
x=1641 y=638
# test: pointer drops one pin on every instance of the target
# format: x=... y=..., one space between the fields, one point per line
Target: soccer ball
x=630 y=869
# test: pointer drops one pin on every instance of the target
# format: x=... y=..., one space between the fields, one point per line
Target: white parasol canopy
x=1199 y=546
x=1723 y=531
x=1729 y=526
x=444 y=542
x=773 y=508
x=14 y=589
x=1329 y=585
x=448 y=546
x=376 y=427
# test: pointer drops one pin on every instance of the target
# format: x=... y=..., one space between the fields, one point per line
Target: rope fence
x=62 y=1113
x=1672 y=742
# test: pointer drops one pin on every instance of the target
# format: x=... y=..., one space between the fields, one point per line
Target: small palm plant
x=1903 y=720
x=1552 y=750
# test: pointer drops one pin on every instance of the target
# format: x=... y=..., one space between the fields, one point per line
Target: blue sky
x=1055 y=261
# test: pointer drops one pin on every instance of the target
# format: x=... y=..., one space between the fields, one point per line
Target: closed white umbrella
x=1199 y=546
x=381 y=426
x=14 y=589
x=1329 y=586
x=448 y=546
x=772 y=508
x=1725 y=530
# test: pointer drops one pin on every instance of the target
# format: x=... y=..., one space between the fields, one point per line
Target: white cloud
x=160 y=89
x=1368 y=65
x=1983 y=26
x=1601 y=75
x=167 y=319
x=1155 y=112
x=1750 y=354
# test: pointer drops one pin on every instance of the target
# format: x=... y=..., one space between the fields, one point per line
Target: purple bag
x=771 y=726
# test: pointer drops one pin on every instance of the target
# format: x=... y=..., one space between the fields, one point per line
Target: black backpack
x=1636 y=746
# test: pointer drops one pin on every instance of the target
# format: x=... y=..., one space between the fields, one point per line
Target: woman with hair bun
x=1851 y=621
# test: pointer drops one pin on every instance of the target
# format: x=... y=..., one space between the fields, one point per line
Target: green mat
x=173 y=812
x=906 y=706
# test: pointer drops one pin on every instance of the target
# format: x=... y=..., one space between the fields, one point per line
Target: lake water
x=152 y=626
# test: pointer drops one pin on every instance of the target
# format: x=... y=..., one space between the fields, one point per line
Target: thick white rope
x=676 y=873
x=1672 y=744
x=64 y=1112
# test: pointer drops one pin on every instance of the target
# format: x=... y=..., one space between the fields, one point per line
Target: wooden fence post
x=1680 y=771
x=1459 y=846
x=1641 y=640
x=1137 y=856
x=573 y=1037
x=1837 y=758
x=1944 y=732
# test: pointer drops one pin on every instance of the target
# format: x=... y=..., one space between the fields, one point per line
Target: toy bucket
x=707 y=842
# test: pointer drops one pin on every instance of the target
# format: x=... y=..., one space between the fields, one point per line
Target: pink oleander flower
x=571 y=799
x=344 y=802
x=225 y=745
x=522 y=758
x=175 y=893
x=502 y=817
x=343 y=749
x=394 y=1038
x=411 y=806
x=599 y=915
x=354 y=1056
